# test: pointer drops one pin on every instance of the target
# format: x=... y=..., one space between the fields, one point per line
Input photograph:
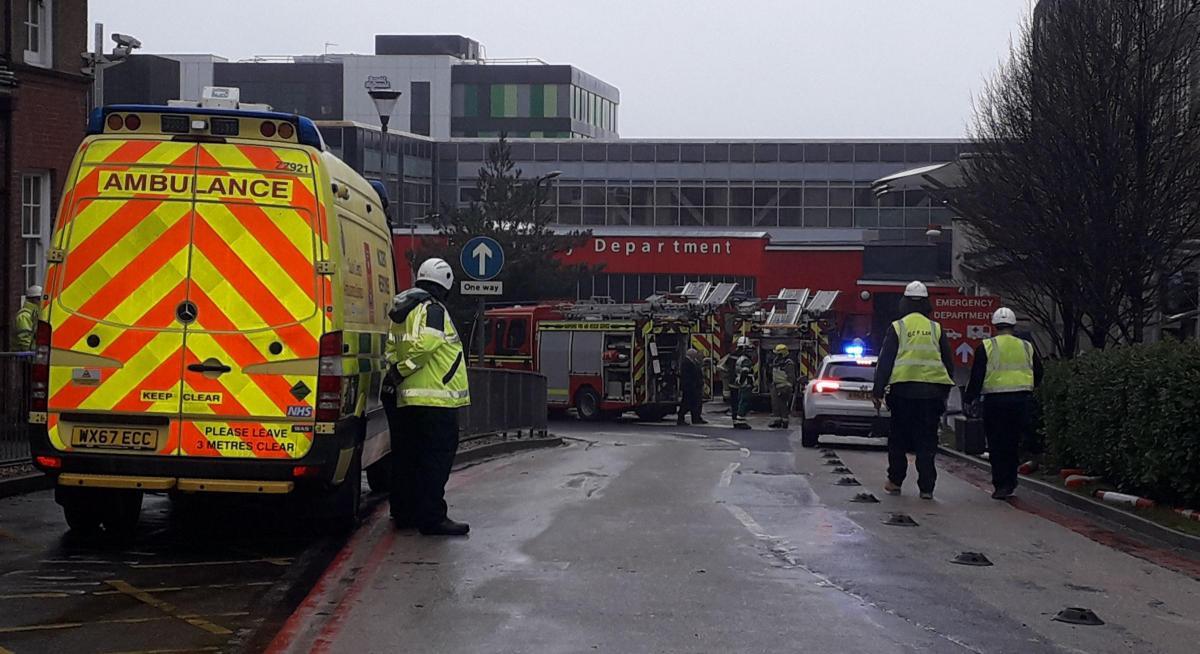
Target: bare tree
x=1085 y=185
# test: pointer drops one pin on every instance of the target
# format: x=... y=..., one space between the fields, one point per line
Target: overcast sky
x=685 y=68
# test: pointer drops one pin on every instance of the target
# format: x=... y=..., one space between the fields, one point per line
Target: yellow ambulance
x=215 y=315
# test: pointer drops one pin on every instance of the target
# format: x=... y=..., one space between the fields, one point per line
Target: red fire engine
x=600 y=359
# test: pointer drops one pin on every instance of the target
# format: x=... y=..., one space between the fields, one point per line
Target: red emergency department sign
x=967 y=320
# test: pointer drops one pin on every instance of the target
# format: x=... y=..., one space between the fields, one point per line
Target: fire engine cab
x=600 y=359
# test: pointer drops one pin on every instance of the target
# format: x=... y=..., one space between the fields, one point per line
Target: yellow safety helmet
x=781 y=349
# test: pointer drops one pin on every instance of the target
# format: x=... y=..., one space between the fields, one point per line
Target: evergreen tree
x=512 y=210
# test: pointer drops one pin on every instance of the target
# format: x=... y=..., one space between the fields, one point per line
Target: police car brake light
x=827 y=386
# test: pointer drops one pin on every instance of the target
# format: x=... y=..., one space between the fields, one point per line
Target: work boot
x=775 y=425
x=785 y=424
x=1002 y=493
x=890 y=488
x=680 y=422
x=446 y=527
x=741 y=425
x=699 y=421
x=927 y=495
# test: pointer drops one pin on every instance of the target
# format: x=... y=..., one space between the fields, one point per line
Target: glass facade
x=522 y=105
x=718 y=184
x=382 y=157
x=636 y=288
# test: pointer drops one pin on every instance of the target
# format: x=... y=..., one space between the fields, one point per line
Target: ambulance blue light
x=306 y=130
x=854 y=349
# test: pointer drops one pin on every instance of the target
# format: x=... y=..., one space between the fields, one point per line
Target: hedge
x=1131 y=414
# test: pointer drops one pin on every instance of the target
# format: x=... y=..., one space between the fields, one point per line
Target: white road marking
x=745 y=452
x=730 y=441
x=727 y=476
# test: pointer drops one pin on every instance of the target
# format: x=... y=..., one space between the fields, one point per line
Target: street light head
x=385 y=100
x=552 y=174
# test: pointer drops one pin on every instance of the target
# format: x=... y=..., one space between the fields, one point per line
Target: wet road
x=665 y=539
x=216 y=576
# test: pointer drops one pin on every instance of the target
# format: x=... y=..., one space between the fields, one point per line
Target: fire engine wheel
x=587 y=404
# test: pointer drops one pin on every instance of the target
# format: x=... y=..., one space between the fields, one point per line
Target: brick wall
x=47 y=122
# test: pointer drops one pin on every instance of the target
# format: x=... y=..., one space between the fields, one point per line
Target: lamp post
x=385 y=103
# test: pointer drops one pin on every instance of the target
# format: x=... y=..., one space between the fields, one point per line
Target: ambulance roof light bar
x=306 y=130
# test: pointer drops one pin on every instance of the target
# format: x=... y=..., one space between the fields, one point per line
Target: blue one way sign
x=481 y=258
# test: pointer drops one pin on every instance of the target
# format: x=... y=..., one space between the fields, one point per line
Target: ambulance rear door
x=250 y=355
x=117 y=285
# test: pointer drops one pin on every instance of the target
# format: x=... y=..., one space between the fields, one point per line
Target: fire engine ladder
x=695 y=291
x=719 y=294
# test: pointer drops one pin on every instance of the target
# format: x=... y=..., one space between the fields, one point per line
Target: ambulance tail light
x=329 y=378
x=40 y=375
x=827 y=386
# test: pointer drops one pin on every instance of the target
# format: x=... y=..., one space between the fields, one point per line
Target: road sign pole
x=479 y=330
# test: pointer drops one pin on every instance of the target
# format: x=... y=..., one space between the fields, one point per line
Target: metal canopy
x=720 y=294
x=822 y=301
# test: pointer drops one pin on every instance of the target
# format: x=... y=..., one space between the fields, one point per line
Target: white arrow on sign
x=964 y=353
x=482 y=252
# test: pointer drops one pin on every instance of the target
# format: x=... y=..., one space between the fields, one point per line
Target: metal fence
x=504 y=401
x=14 y=412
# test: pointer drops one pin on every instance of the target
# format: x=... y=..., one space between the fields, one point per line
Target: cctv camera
x=126 y=41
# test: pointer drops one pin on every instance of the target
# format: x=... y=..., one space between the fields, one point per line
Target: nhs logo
x=298 y=411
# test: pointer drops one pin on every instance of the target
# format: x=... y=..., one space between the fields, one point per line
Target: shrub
x=1131 y=414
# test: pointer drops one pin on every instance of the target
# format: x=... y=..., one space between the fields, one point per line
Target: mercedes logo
x=186 y=312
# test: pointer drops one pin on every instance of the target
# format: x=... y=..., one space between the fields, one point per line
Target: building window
x=35 y=224
x=38 y=45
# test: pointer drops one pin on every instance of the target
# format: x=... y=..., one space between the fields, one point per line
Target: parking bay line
x=75 y=625
x=167 y=608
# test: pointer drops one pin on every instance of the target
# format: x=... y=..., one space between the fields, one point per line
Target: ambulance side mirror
x=381 y=191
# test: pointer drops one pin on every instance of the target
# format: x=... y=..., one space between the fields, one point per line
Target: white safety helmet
x=437 y=271
x=1004 y=316
x=743 y=341
x=34 y=291
x=916 y=289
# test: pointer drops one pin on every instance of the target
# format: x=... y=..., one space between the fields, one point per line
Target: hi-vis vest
x=1009 y=365
x=430 y=359
x=919 y=352
x=24 y=327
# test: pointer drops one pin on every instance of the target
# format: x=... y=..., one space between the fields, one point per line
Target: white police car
x=838 y=401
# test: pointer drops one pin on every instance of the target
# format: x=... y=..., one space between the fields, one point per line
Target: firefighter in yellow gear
x=914 y=372
x=427 y=384
x=1005 y=371
x=25 y=325
x=783 y=386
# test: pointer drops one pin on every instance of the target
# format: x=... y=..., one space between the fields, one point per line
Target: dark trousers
x=1008 y=421
x=424 y=442
x=691 y=402
x=914 y=429
x=781 y=403
x=735 y=402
